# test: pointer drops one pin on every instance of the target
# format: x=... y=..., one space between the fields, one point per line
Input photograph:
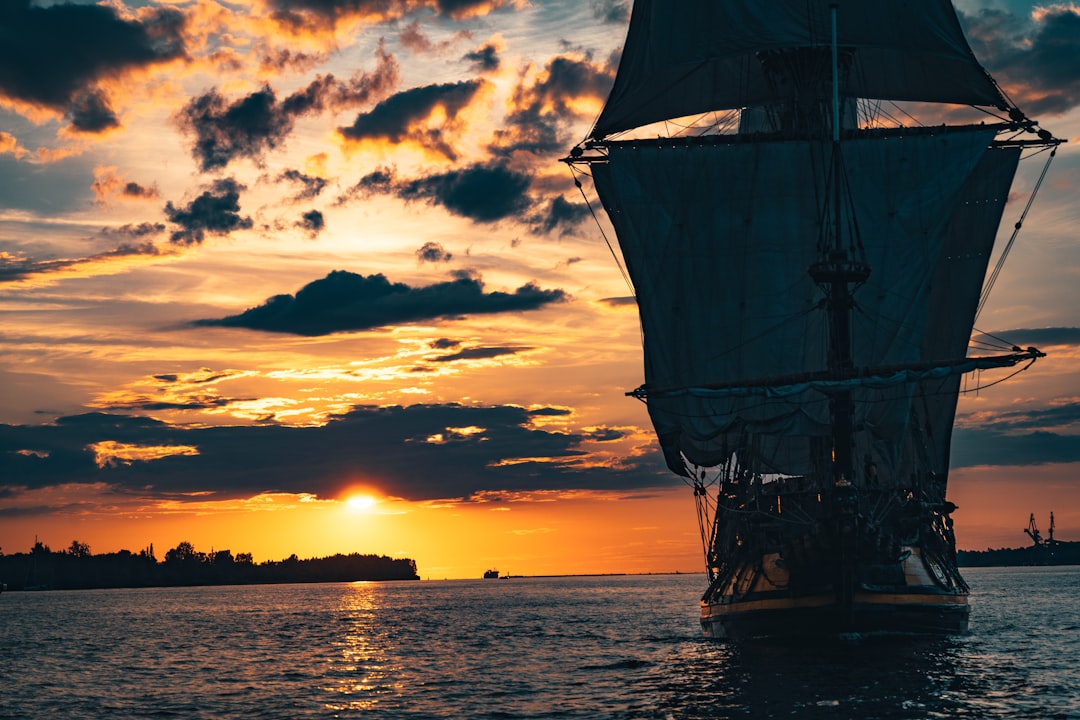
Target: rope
x=1007 y=377
x=1016 y=231
x=607 y=241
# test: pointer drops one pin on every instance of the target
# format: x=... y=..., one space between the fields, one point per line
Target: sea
x=622 y=647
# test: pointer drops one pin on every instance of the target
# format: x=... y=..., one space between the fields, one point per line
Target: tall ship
x=808 y=260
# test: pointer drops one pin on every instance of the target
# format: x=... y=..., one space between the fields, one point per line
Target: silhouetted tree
x=79 y=550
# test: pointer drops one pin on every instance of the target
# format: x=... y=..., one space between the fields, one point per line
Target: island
x=78 y=568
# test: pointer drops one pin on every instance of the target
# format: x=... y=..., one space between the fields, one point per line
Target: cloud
x=378 y=181
x=9 y=144
x=560 y=213
x=409 y=116
x=616 y=302
x=412 y=39
x=310 y=186
x=1036 y=60
x=544 y=108
x=254 y=124
x=109 y=184
x=134 y=231
x=482 y=192
x=90 y=113
x=215 y=211
x=1039 y=337
x=505 y=452
x=54 y=56
x=973 y=447
x=312 y=221
x=15 y=269
x=611 y=11
x=345 y=301
x=1019 y=436
x=433 y=252
x=481 y=353
x=485 y=58
x=300 y=16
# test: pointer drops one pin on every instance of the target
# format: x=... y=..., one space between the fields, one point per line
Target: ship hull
x=869 y=613
x=771 y=605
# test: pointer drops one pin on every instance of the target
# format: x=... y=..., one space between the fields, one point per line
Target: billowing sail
x=718 y=238
x=693 y=56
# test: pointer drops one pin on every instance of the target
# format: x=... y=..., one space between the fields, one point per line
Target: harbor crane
x=1033 y=531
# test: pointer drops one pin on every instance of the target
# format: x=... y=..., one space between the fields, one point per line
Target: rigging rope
x=607 y=241
x=1016 y=231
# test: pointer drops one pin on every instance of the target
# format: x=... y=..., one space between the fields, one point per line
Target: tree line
x=77 y=568
x=1058 y=553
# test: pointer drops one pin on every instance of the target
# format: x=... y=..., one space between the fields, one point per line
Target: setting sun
x=360 y=502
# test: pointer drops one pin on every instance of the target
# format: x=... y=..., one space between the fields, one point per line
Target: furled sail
x=693 y=56
x=718 y=238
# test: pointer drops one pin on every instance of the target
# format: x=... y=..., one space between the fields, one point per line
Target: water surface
x=602 y=647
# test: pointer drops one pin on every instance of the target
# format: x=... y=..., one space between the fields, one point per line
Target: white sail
x=687 y=57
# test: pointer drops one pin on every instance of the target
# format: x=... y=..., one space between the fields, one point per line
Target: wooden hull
x=870 y=613
x=770 y=606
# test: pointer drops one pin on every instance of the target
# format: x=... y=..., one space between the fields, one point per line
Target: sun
x=360 y=502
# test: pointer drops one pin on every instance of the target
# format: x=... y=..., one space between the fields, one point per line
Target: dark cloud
x=215 y=211
x=416 y=42
x=90 y=112
x=619 y=301
x=611 y=11
x=135 y=190
x=485 y=192
x=560 y=214
x=147 y=403
x=14 y=269
x=310 y=186
x=1023 y=436
x=403 y=116
x=324 y=15
x=312 y=221
x=433 y=252
x=1038 y=337
x=389 y=443
x=444 y=344
x=284 y=59
x=1037 y=60
x=543 y=113
x=252 y=125
x=223 y=130
x=552 y=412
x=606 y=434
x=485 y=58
x=378 y=181
x=481 y=353
x=134 y=231
x=55 y=55
x=344 y=301
x=973 y=447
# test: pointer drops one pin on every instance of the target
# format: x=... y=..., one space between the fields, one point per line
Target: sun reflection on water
x=364 y=671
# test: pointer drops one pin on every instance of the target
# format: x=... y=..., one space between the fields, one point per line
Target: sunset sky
x=261 y=258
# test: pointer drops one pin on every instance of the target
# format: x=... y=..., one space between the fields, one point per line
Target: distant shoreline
x=1059 y=553
x=43 y=569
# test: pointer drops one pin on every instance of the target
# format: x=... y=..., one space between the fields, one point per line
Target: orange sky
x=224 y=155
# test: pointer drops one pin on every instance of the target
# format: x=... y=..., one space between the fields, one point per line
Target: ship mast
x=837 y=271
